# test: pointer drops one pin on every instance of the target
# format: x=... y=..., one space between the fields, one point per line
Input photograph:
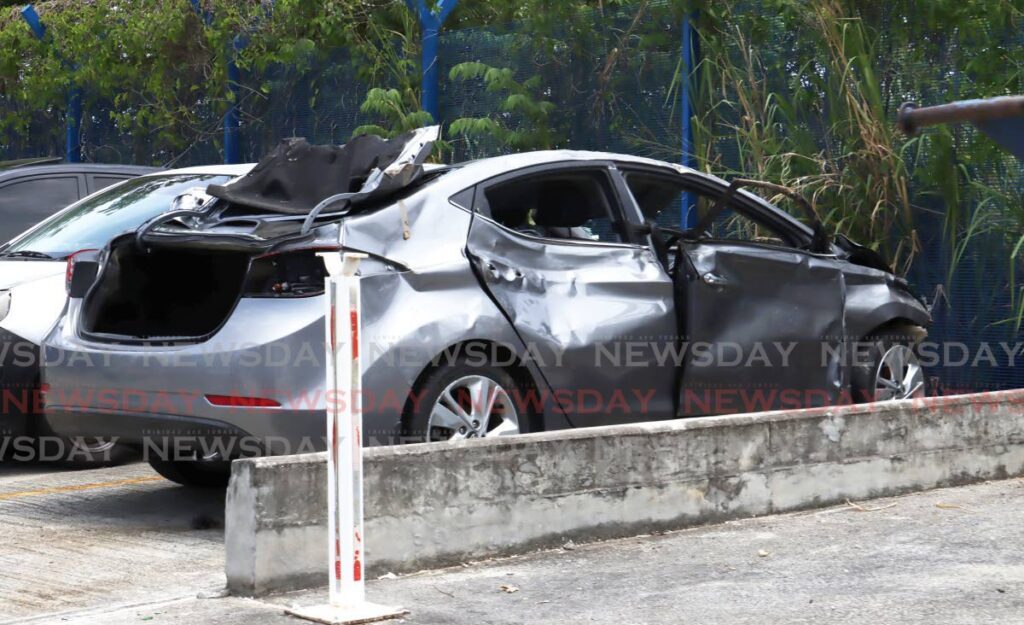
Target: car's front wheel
x=889 y=370
x=464 y=400
x=195 y=473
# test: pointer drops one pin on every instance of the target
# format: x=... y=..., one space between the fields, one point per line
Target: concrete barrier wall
x=441 y=504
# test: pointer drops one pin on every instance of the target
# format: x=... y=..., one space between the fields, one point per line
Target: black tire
x=435 y=381
x=868 y=356
x=194 y=473
x=79 y=452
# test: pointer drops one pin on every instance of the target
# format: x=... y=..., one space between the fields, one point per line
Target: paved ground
x=79 y=540
x=120 y=546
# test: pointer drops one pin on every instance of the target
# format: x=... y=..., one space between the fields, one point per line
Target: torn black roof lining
x=296 y=175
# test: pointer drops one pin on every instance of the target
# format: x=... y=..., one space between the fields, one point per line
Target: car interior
x=568 y=206
x=155 y=294
x=663 y=200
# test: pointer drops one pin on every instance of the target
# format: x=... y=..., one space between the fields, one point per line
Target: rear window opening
x=560 y=205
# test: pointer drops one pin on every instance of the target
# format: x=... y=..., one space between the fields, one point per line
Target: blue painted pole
x=28 y=13
x=232 y=150
x=73 y=111
x=431 y=73
x=691 y=56
x=203 y=14
x=431 y=22
x=72 y=137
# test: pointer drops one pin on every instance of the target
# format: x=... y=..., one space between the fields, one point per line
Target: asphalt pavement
x=118 y=546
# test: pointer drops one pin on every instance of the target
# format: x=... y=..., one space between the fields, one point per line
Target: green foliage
x=523 y=119
x=855 y=175
x=394 y=112
x=159 y=70
x=799 y=92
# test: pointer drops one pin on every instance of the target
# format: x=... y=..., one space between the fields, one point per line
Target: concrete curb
x=440 y=504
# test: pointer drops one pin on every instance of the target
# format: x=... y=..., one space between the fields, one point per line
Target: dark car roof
x=18 y=171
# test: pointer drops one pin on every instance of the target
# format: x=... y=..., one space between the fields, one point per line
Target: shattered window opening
x=661 y=199
x=562 y=205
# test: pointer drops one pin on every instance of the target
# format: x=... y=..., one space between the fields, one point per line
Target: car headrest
x=562 y=205
x=513 y=215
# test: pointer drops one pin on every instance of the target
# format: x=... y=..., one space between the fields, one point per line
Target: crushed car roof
x=298 y=178
x=299 y=187
x=508 y=162
x=217 y=170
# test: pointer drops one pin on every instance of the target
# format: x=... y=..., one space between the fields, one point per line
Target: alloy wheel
x=899 y=375
x=473 y=406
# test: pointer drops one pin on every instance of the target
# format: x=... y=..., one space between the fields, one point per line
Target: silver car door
x=593 y=308
x=765 y=326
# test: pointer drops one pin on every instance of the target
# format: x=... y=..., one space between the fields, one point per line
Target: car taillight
x=290 y=274
x=69 y=271
x=237 y=401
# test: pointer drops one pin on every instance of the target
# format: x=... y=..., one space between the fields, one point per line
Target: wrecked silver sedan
x=513 y=294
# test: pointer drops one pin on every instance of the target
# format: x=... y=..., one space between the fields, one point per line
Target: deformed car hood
x=15 y=272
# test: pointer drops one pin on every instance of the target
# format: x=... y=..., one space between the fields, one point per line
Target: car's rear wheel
x=91 y=453
x=889 y=370
x=195 y=473
x=81 y=452
x=465 y=400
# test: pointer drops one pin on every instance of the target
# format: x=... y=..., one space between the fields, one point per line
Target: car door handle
x=714 y=279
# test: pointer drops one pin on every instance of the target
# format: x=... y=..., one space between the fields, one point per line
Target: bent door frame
x=696 y=291
x=628 y=278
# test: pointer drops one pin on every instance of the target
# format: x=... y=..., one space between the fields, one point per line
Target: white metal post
x=346 y=552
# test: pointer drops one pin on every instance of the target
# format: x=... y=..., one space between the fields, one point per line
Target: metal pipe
x=28 y=13
x=232 y=147
x=911 y=118
x=431 y=72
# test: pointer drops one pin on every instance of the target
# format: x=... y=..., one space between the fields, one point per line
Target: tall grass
x=818 y=127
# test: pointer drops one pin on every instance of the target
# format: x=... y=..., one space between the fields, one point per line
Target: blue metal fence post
x=28 y=13
x=431 y=21
x=691 y=57
x=73 y=135
x=73 y=112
